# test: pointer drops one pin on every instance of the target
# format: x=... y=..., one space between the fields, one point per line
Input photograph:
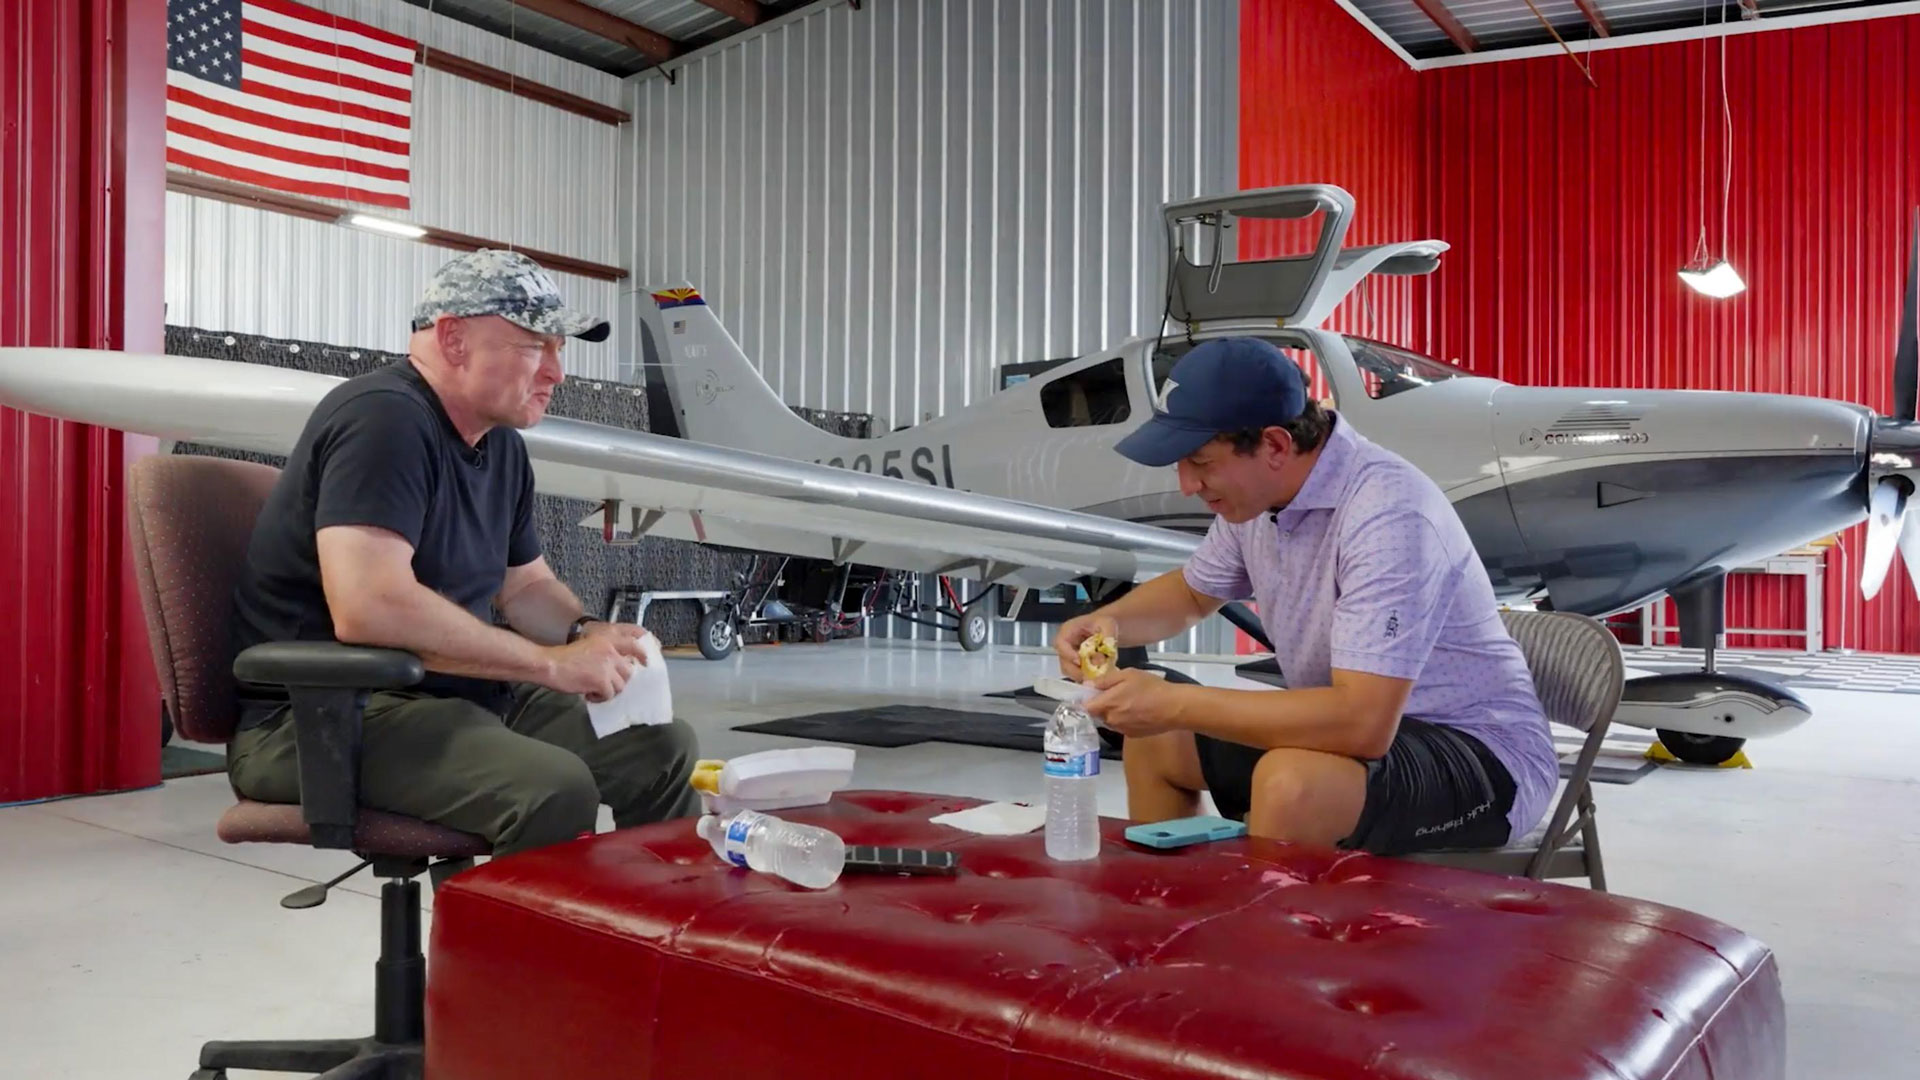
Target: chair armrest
x=328 y=684
x=328 y=664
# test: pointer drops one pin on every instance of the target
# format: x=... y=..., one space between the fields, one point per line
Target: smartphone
x=872 y=859
x=1184 y=831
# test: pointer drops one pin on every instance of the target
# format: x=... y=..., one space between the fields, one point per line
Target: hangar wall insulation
x=884 y=205
x=485 y=163
x=80 y=235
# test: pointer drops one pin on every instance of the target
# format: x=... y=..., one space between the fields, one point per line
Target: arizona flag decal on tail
x=673 y=298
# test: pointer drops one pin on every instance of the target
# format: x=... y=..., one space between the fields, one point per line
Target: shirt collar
x=1327 y=480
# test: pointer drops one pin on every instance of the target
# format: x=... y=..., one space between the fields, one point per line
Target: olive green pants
x=537 y=777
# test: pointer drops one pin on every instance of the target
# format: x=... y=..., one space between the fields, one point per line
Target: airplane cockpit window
x=1088 y=397
x=1387 y=370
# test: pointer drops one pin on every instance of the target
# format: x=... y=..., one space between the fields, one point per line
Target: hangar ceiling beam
x=1436 y=10
x=751 y=12
x=655 y=46
x=1594 y=18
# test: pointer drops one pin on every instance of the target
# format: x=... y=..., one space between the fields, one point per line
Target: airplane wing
x=669 y=487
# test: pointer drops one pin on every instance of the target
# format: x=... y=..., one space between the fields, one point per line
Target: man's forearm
x=543 y=611
x=446 y=637
x=1323 y=718
x=1158 y=610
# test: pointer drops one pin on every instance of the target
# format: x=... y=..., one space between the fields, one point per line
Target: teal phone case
x=1184 y=831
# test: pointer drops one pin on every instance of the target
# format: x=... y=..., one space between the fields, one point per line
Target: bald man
x=405 y=519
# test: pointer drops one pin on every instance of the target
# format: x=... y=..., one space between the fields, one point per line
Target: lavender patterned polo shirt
x=1369 y=569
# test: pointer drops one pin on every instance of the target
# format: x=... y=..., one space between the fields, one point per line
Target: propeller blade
x=1910 y=550
x=1906 y=352
x=1884 y=526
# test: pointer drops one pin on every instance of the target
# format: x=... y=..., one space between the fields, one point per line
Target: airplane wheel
x=1700 y=749
x=718 y=636
x=974 y=630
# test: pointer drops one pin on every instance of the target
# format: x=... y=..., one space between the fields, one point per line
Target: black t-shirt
x=380 y=450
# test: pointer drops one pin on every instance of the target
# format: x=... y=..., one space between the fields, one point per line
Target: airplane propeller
x=1889 y=527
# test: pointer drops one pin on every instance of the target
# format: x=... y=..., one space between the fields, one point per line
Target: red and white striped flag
x=279 y=95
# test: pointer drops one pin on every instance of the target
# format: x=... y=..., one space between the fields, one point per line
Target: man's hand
x=1073 y=632
x=1136 y=703
x=624 y=636
x=596 y=666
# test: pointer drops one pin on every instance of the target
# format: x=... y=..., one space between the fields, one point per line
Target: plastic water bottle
x=806 y=855
x=1072 y=769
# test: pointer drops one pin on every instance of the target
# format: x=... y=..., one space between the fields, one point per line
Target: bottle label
x=1075 y=765
x=736 y=838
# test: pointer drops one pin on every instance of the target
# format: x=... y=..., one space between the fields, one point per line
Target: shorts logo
x=1393 y=623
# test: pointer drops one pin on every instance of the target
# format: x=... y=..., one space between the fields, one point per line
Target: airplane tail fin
x=700 y=385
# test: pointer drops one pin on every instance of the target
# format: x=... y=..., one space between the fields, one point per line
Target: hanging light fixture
x=1705 y=275
x=1719 y=281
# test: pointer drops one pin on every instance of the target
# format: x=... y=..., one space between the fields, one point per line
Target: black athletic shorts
x=1437 y=787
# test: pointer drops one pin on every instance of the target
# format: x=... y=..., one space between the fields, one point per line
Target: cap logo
x=535 y=284
x=1166 y=391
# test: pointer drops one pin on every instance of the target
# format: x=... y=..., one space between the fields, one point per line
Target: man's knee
x=1170 y=757
x=551 y=798
x=1306 y=796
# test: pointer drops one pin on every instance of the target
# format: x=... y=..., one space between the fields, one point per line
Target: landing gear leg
x=1702 y=611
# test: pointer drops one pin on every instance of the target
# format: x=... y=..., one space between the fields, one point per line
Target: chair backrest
x=1578 y=670
x=189 y=519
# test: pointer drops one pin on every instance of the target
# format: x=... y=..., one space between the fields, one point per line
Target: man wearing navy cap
x=1410 y=720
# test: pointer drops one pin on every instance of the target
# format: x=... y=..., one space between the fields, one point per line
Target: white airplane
x=1590 y=500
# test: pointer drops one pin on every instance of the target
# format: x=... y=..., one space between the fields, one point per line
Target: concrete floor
x=129 y=933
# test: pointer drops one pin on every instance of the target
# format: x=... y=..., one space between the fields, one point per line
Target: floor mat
x=908 y=725
x=1874 y=672
x=178 y=761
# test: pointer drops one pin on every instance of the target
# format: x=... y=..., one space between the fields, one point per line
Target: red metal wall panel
x=82 y=205
x=1323 y=101
x=1571 y=208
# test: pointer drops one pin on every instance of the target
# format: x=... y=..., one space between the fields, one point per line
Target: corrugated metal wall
x=241 y=270
x=885 y=205
x=80 y=188
x=1571 y=208
x=485 y=163
x=1323 y=101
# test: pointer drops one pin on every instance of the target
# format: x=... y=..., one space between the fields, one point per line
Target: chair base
x=326 y=1059
x=396 y=1050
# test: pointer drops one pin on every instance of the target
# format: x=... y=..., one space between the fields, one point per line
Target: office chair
x=1579 y=675
x=189 y=520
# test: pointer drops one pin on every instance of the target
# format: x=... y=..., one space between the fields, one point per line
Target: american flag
x=280 y=95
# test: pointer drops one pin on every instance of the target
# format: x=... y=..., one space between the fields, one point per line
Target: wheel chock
x=1661 y=754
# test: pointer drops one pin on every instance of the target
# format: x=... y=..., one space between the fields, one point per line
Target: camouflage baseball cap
x=507 y=284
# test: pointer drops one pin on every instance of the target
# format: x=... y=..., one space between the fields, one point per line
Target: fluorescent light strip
x=395 y=228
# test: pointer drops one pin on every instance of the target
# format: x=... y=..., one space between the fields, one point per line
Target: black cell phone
x=873 y=859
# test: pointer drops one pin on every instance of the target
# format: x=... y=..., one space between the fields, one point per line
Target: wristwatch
x=578 y=627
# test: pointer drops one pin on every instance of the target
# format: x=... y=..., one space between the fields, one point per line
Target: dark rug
x=179 y=761
x=908 y=725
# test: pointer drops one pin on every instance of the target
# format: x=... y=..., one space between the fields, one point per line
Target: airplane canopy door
x=1295 y=290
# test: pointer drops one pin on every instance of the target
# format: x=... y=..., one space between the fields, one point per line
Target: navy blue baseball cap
x=1229 y=384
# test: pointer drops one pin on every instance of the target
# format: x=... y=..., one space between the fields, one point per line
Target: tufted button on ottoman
x=639 y=955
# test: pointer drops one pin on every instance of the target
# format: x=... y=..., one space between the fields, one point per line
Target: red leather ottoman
x=638 y=955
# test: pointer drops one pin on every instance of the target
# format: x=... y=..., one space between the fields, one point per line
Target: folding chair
x=1579 y=673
